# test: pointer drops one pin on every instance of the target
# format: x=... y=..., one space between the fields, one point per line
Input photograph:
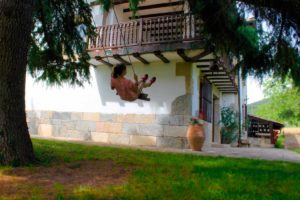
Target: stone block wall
x=260 y=142
x=129 y=129
x=292 y=137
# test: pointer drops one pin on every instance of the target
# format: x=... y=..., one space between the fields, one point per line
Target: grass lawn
x=73 y=171
x=295 y=149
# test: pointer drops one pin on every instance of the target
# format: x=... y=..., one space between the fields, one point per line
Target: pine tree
x=48 y=36
x=262 y=51
x=15 y=28
x=58 y=48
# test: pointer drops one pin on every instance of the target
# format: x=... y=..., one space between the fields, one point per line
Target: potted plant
x=229 y=122
x=195 y=134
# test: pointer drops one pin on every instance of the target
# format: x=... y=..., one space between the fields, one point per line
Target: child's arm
x=111 y=84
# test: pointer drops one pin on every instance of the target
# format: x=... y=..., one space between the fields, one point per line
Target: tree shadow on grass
x=93 y=174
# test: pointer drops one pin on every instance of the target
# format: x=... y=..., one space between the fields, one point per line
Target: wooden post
x=271 y=133
x=140 y=31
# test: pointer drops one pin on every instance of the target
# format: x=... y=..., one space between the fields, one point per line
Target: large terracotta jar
x=195 y=136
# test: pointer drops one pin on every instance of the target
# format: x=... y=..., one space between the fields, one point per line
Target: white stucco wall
x=97 y=12
x=230 y=100
x=109 y=17
x=98 y=97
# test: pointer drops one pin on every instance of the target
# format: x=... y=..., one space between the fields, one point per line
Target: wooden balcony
x=157 y=35
x=145 y=35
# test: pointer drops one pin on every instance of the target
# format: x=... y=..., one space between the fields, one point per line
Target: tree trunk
x=16 y=18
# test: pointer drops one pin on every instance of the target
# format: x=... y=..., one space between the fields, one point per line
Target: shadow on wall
x=162 y=93
x=103 y=76
x=182 y=105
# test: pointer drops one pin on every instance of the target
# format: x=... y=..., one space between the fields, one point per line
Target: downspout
x=240 y=99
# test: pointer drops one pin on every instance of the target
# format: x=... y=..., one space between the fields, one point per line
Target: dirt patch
x=21 y=182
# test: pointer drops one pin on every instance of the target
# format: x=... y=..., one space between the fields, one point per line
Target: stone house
x=165 y=41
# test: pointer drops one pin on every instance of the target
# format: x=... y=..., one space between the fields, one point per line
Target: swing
x=142 y=96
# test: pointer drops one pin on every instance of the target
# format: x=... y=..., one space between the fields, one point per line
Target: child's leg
x=143 y=85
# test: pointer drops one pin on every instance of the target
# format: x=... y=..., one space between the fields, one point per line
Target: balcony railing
x=146 y=31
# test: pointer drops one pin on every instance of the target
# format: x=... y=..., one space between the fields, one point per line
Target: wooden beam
x=213 y=74
x=161 y=56
x=98 y=58
x=160 y=5
x=217 y=84
x=206 y=60
x=217 y=76
x=200 y=55
x=229 y=92
x=119 y=58
x=151 y=47
x=115 y=2
x=202 y=67
x=217 y=73
x=219 y=79
x=225 y=86
x=182 y=54
x=234 y=90
x=227 y=83
x=228 y=88
x=138 y=56
x=157 y=15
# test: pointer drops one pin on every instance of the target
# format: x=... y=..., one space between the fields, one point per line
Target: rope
x=123 y=37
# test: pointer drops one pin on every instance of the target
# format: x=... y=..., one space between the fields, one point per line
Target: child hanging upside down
x=127 y=89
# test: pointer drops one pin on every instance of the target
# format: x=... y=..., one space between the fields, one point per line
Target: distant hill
x=253 y=106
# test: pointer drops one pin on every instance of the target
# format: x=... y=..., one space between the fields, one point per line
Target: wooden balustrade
x=145 y=31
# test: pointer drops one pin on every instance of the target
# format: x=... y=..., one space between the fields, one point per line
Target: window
x=206 y=100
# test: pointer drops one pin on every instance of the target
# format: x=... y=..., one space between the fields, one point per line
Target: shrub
x=280 y=142
x=229 y=122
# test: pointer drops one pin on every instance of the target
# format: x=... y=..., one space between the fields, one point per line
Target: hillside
x=253 y=106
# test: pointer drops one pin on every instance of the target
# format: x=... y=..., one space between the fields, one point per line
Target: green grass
x=177 y=176
x=295 y=149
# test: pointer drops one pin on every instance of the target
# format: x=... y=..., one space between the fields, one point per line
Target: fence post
x=140 y=31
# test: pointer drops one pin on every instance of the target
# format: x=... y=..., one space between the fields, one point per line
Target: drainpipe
x=240 y=98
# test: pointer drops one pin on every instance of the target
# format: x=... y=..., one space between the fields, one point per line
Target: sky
x=254 y=90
